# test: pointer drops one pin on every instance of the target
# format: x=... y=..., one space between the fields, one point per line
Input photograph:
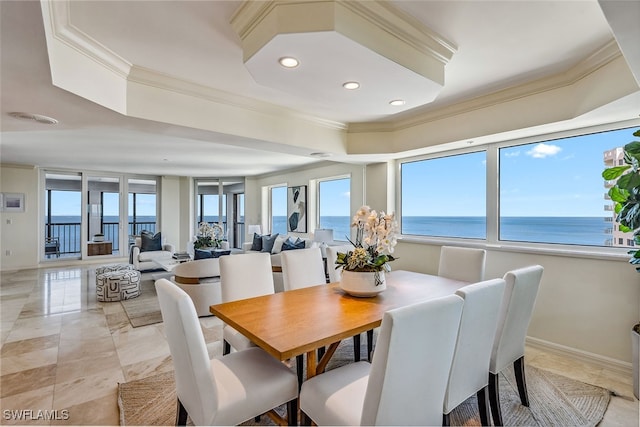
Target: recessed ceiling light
x=351 y=85
x=320 y=154
x=397 y=102
x=34 y=117
x=288 y=62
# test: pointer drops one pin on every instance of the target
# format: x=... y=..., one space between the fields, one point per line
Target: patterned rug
x=555 y=400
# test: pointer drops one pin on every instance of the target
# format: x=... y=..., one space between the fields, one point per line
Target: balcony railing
x=68 y=234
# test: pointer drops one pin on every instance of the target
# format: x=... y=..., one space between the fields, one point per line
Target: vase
x=363 y=283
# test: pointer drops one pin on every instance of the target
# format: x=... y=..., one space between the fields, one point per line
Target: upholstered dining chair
x=468 y=375
x=222 y=391
x=332 y=256
x=405 y=382
x=466 y=264
x=243 y=276
x=521 y=290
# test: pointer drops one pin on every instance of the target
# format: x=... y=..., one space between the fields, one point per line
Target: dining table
x=291 y=323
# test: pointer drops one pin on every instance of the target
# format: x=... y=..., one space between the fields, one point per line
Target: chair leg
x=226 y=348
x=299 y=369
x=521 y=381
x=304 y=419
x=292 y=412
x=356 y=348
x=446 y=422
x=181 y=414
x=494 y=399
x=370 y=344
x=483 y=406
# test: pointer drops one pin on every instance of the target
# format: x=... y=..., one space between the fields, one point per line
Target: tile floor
x=64 y=351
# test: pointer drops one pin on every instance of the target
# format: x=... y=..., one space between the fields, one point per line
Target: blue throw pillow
x=268 y=241
x=150 y=242
x=201 y=254
x=290 y=245
x=257 y=242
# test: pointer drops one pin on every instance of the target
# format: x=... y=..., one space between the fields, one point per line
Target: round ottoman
x=113 y=267
x=117 y=285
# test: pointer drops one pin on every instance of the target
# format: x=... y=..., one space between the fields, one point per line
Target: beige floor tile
x=79 y=349
x=100 y=384
x=140 y=344
x=98 y=412
x=30 y=379
x=26 y=346
x=24 y=407
x=25 y=361
x=147 y=368
x=74 y=369
x=35 y=327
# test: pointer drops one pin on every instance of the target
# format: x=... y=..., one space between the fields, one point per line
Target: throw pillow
x=268 y=242
x=150 y=242
x=257 y=242
x=277 y=246
x=201 y=254
x=290 y=245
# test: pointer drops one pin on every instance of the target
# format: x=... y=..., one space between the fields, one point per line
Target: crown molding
x=592 y=63
x=65 y=32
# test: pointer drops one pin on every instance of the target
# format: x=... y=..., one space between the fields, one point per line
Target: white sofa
x=144 y=260
x=275 y=255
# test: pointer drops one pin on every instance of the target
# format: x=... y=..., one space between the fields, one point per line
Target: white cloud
x=347 y=194
x=543 y=150
x=513 y=154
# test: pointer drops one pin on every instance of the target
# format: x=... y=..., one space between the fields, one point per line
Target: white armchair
x=200 y=279
x=143 y=260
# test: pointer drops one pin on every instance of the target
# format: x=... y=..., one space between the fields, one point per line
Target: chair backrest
x=332 y=255
x=245 y=276
x=470 y=367
x=194 y=384
x=302 y=268
x=520 y=294
x=466 y=264
x=410 y=366
x=200 y=268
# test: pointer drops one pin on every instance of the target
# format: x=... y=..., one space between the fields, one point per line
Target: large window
x=445 y=196
x=543 y=192
x=553 y=192
x=278 y=209
x=334 y=206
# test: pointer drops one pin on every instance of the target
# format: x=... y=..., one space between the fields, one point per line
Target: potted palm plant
x=625 y=193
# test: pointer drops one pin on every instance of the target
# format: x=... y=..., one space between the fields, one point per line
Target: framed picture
x=297 y=209
x=13 y=202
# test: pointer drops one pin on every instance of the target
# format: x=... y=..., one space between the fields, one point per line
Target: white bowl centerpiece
x=363 y=268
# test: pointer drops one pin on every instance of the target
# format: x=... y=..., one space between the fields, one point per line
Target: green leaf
x=629 y=181
x=618 y=194
x=614 y=172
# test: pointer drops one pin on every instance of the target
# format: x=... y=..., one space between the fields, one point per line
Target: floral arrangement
x=209 y=236
x=375 y=240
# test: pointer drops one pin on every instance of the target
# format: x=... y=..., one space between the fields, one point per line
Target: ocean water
x=587 y=231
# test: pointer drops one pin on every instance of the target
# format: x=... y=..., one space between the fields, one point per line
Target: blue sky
x=552 y=178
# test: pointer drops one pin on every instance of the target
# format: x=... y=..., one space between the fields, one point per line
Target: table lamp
x=322 y=236
x=254 y=229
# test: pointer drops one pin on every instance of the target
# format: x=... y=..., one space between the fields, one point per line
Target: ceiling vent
x=34 y=117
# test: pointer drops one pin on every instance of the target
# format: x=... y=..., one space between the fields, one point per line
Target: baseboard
x=585 y=356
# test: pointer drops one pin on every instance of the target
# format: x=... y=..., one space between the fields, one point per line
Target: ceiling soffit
x=391 y=54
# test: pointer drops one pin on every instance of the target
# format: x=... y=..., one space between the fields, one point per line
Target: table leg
x=311 y=364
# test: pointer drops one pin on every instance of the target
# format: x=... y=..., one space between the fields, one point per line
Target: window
x=553 y=191
x=445 y=196
x=334 y=206
x=142 y=206
x=279 y=209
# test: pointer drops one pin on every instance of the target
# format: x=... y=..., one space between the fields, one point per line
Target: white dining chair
x=466 y=264
x=243 y=276
x=468 y=375
x=222 y=391
x=405 y=382
x=332 y=256
x=521 y=290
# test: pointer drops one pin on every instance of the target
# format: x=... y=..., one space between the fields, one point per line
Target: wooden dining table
x=292 y=323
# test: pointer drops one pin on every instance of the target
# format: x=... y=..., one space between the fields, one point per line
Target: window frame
x=332 y=178
x=493 y=202
x=270 y=192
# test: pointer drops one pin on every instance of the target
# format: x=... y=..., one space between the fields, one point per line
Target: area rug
x=554 y=400
x=144 y=309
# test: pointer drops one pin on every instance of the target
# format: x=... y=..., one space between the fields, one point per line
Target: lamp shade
x=323 y=235
x=254 y=229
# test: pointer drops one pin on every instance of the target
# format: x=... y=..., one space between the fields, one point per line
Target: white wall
x=19 y=231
